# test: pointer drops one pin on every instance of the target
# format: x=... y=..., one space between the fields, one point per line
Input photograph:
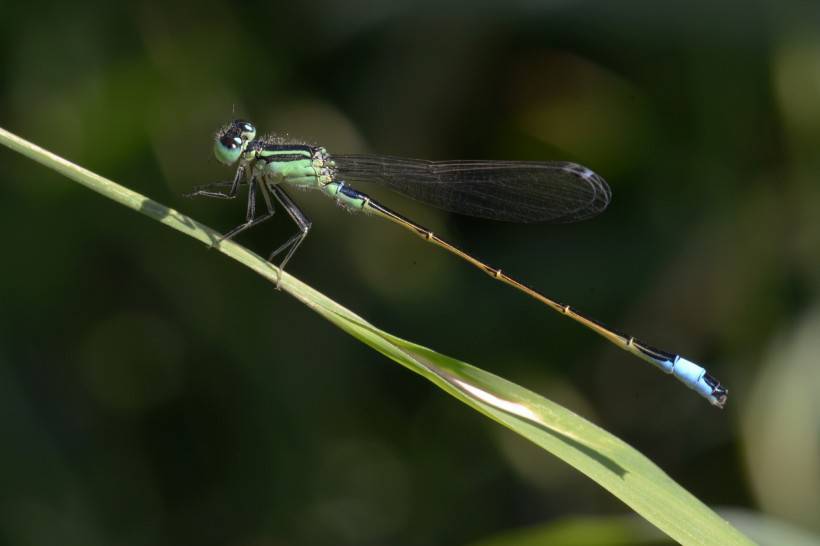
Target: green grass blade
x=629 y=530
x=607 y=460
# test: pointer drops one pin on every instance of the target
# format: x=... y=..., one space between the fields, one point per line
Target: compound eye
x=230 y=142
x=246 y=129
x=228 y=148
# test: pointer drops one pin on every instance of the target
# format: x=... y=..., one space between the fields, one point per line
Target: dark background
x=153 y=392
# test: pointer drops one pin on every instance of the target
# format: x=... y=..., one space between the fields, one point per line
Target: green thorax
x=298 y=165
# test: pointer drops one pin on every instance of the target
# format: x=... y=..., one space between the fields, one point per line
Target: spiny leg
x=237 y=179
x=204 y=190
x=250 y=221
x=301 y=222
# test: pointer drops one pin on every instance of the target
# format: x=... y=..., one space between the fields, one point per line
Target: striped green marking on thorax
x=298 y=165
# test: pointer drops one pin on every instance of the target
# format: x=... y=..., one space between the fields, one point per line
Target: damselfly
x=511 y=191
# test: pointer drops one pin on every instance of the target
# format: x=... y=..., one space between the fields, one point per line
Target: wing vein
x=510 y=191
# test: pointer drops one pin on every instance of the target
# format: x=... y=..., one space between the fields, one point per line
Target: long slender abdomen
x=692 y=375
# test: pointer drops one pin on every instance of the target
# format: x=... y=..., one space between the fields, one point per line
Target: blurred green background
x=154 y=392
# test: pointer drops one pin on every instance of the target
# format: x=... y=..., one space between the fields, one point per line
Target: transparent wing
x=509 y=191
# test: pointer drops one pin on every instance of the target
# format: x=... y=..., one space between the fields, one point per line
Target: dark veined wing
x=509 y=191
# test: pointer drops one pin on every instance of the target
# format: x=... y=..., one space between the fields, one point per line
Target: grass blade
x=604 y=458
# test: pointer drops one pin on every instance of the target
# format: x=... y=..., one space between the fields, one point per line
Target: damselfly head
x=231 y=141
